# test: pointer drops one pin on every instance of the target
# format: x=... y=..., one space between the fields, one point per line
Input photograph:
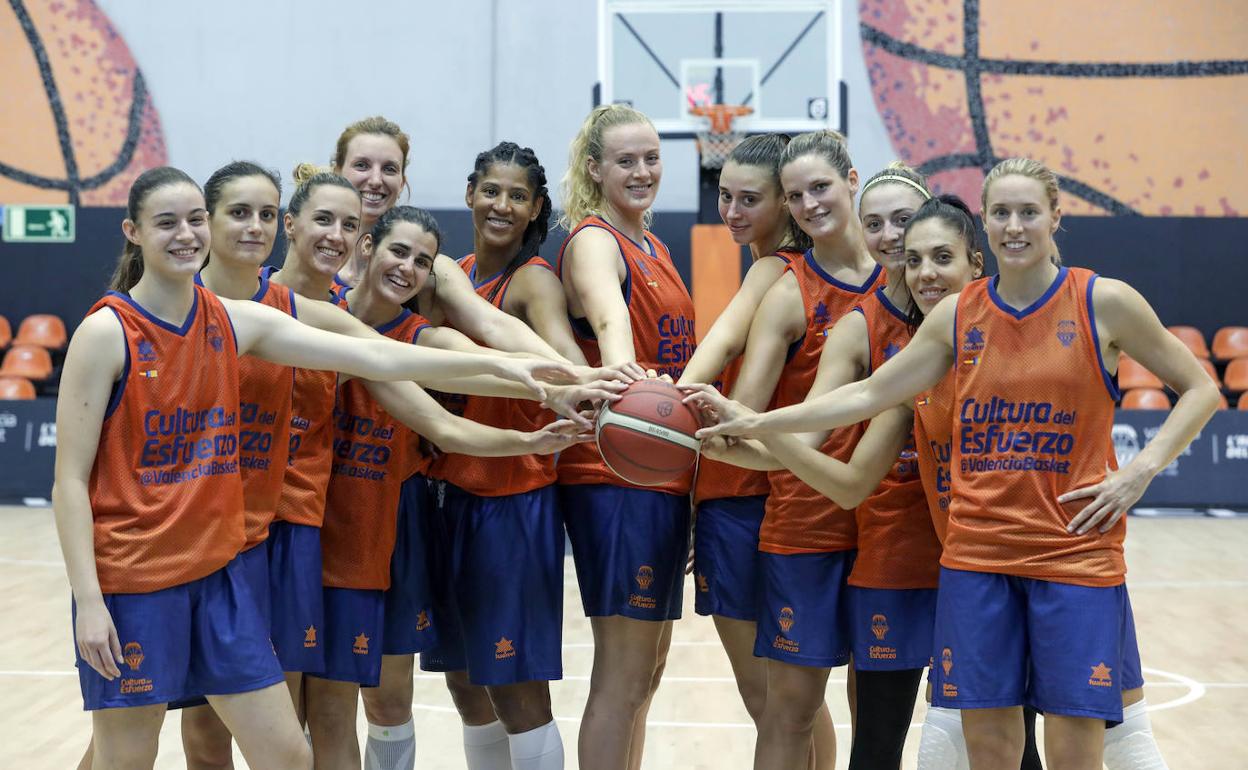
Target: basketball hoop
x=717 y=140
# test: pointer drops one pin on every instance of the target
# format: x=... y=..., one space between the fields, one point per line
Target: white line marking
x=1195 y=690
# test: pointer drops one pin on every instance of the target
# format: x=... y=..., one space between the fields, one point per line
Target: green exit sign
x=39 y=224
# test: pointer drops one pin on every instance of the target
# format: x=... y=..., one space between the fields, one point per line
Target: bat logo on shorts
x=879 y=626
x=133 y=654
x=786 y=619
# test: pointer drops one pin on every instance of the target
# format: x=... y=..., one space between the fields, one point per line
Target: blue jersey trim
x=890 y=307
x=259 y=295
x=1033 y=307
x=419 y=329
x=1110 y=380
x=294 y=309
x=119 y=387
x=858 y=309
x=178 y=330
x=819 y=271
x=388 y=325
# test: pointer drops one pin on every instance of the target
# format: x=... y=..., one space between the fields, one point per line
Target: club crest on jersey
x=974 y=341
x=215 y=339
x=1066 y=332
x=504 y=648
x=360 y=646
x=147 y=353
x=879 y=626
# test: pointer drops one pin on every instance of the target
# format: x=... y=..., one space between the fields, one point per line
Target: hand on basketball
x=97 y=640
x=561 y=434
x=1111 y=499
x=720 y=415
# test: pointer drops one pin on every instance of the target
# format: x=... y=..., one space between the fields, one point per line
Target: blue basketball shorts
x=409 y=611
x=506 y=564
x=630 y=547
x=725 y=556
x=206 y=637
x=891 y=629
x=1132 y=669
x=354 y=635
x=447 y=653
x=296 y=604
x=1003 y=640
x=254 y=563
x=803 y=608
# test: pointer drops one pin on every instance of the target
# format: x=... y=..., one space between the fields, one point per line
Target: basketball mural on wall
x=1140 y=108
x=77 y=124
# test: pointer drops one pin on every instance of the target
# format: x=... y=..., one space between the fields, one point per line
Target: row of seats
x=1156 y=398
x=1132 y=374
x=43 y=329
x=1229 y=342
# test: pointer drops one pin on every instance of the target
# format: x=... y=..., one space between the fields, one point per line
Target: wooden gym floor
x=1188 y=581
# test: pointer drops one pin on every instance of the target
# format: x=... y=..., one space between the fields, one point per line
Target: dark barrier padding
x=27 y=448
x=1209 y=474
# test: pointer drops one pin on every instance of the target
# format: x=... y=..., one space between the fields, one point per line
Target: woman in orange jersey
x=1033 y=351
x=500 y=561
x=806 y=542
x=373 y=454
x=729 y=501
x=628 y=305
x=148 y=499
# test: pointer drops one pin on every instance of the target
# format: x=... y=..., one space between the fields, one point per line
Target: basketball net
x=717 y=139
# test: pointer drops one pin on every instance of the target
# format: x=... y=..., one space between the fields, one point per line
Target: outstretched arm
x=411 y=405
x=94 y=361
x=274 y=336
x=847 y=484
x=469 y=312
x=779 y=322
x=726 y=339
x=919 y=365
x=1125 y=322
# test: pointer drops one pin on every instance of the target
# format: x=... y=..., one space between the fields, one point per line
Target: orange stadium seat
x=6 y=333
x=1207 y=365
x=44 y=330
x=1132 y=374
x=1230 y=342
x=16 y=389
x=29 y=361
x=1145 y=398
x=1191 y=337
x=1236 y=379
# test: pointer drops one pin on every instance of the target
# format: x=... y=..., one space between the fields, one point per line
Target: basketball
x=647 y=436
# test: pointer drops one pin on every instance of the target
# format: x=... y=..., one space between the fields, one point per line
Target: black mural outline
x=73 y=183
x=973 y=67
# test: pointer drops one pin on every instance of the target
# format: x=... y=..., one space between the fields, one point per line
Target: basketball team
x=906 y=463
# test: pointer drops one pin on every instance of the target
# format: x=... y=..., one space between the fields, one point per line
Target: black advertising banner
x=27 y=449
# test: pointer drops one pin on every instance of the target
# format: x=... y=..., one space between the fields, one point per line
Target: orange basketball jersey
x=370 y=462
x=897 y=546
x=933 y=427
x=1033 y=415
x=264 y=414
x=166 y=496
x=498 y=476
x=663 y=339
x=716 y=479
x=798 y=519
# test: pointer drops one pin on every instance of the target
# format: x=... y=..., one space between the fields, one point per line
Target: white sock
x=941 y=746
x=390 y=748
x=486 y=747
x=538 y=749
x=1130 y=745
